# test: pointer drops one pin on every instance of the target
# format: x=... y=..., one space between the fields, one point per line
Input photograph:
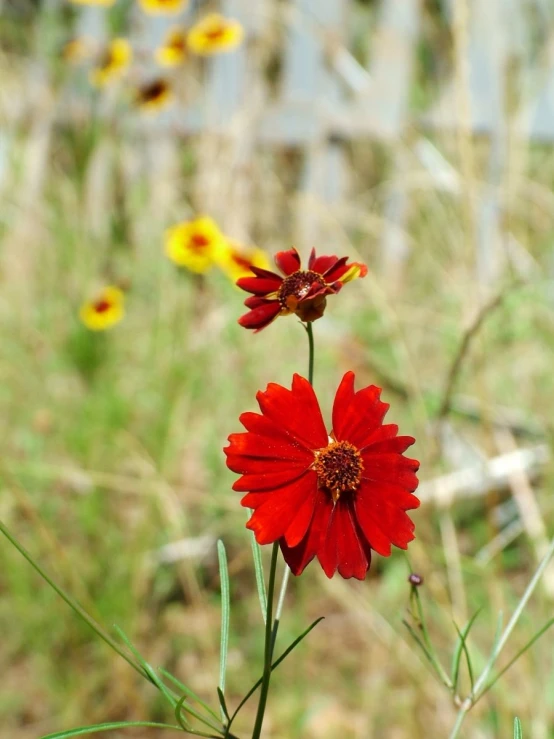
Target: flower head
x=173 y=51
x=196 y=245
x=332 y=496
x=163 y=7
x=301 y=291
x=237 y=260
x=104 y=311
x=214 y=34
x=154 y=96
x=113 y=63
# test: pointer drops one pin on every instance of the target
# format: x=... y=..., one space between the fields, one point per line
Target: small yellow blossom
x=214 y=34
x=114 y=62
x=173 y=51
x=154 y=95
x=196 y=245
x=161 y=7
x=102 y=3
x=104 y=311
x=235 y=260
x=77 y=50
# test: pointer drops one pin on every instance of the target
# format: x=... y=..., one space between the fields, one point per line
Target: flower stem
x=269 y=641
x=310 y=333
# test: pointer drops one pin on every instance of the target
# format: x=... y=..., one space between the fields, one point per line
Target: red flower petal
x=265 y=427
x=384 y=524
x=299 y=556
x=337 y=270
x=298 y=527
x=391 y=468
x=273 y=517
x=262 y=316
x=321 y=264
x=356 y=416
x=397 y=445
x=341 y=548
x=296 y=410
x=270 y=446
x=288 y=261
x=260 y=285
x=273 y=477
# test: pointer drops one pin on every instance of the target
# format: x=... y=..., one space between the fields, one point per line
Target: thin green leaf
x=427 y=639
x=518 y=732
x=259 y=569
x=494 y=651
x=185 y=690
x=461 y=646
x=181 y=720
x=71 y=602
x=223 y=704
x=521 y=652
x=427 y=653
x=169 y=696
x=275 y=664
x=109 y=727
x=225 y=613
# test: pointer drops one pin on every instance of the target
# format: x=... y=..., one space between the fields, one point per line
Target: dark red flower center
x=339 y=468
x=153 y=91
x=101 y=306
x=297 y=286
x=199 y=242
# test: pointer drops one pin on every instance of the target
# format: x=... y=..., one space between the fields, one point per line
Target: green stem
x=462 y=713
x=268 y=651
x=310 y=333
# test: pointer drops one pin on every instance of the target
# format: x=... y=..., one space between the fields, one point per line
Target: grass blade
x=186 y=691
x=461 y=646
x=109 y=727
x=225 y=614
x=223 y=704
x=518 y=733
x=259 y=569
x=521 y=652
x=494 y=652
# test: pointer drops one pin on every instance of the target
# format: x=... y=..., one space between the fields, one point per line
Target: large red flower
x=301 y=291
x=335 y=496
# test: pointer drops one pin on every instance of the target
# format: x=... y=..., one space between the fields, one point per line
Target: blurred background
x=413 y=135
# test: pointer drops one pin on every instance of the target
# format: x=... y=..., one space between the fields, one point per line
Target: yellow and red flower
x=163 y=7
x=154 y=96
x=105 y=310
x=215 y=34
x=196 y=245
x=174 y=50
x=115 y=60
x=301 y=291
x=237 y=260
x=332 y=496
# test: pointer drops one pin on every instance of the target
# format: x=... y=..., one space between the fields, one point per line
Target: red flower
x=334 y=496
x=303 y=292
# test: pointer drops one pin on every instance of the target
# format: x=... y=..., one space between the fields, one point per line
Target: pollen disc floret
x=296 y=287
x=339 y=468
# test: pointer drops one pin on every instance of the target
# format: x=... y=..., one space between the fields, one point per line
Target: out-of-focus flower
x=335 y=497
x=77 y=50
x=215 y=34
x=105 y=310
x=114 y=62
x=154 y=96
x=162 y=7
x=237 y=260
x=102 y=3
x=196 y=245
x=173 y=51
x=302 y=292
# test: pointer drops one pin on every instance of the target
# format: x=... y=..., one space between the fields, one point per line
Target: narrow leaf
x=225 y=613
x=181 y=720
x=188 y=692
x=109 y=727
x=424 y=649
x=494 y=651
x=259 y=569
x=518 y=733
x=223 y=704
x=461 y=646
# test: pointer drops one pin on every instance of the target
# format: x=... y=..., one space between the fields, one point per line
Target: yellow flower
x=160 y=7
x=173 y=51
x=154 y=95
x=196 y=244
x=236 y=260
x=113 y=63
x=76 y=50
x=214 y=34
x=103 y=3
x=104 y=311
